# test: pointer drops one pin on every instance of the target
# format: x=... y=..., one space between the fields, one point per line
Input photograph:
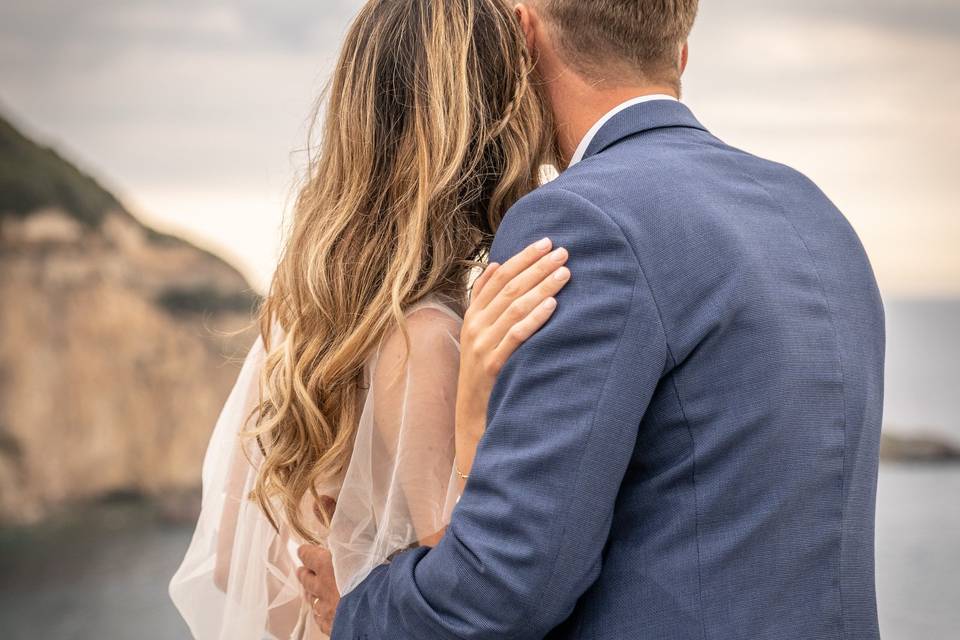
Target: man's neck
x=578 y=105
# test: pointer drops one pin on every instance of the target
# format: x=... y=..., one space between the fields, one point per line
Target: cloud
x=925 y=17
x=190 y=103
x=863 y=104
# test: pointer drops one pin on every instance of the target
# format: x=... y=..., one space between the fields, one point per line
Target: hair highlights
x=431 y=130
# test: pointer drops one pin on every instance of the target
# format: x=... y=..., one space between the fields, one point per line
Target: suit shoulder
x=566 y=216
x=560 y=201
x=557 y=192
x=784 y=172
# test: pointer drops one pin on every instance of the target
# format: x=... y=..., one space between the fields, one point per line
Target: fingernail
x=550 y=304
x=543 y=245
x=559 y=255
x=562 y=274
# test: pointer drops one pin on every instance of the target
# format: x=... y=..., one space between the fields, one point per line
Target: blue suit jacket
x=688 y=449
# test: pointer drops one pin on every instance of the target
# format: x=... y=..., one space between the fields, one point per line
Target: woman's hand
x=510 y=302
x=319 y=585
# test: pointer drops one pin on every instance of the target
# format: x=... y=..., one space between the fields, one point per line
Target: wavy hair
x=431 y=129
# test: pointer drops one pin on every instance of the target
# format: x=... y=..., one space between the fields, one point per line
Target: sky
x=195 y=112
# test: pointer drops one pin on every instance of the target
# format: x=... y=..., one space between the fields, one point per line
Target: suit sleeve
x=526 y=539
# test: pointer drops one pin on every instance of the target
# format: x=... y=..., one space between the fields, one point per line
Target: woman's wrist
x=469 y=432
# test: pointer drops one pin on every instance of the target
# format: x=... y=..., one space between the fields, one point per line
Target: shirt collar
x=587 y=139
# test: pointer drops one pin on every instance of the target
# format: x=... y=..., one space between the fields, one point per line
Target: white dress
x=238 y=578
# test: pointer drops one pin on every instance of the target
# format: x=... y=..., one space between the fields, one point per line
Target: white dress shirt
x=587 y=139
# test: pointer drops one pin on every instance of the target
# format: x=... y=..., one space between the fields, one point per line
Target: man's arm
x=526 y=538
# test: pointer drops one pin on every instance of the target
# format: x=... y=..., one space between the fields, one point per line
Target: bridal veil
x=238 y=578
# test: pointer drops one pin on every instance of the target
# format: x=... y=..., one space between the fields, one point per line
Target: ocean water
x=101 y=573
x=922 y=390
x=94 y=573
x=918 y=552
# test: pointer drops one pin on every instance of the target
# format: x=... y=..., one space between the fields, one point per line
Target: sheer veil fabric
x=237 y=580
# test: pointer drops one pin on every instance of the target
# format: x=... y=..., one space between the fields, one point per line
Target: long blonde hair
x=431 y=130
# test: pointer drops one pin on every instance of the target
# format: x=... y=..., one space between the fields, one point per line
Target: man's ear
x=526 y=18
x=684 y=56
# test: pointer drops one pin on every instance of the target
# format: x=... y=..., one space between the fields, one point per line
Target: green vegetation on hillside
x=33 y=177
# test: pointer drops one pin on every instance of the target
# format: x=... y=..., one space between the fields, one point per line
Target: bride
x=357 y=412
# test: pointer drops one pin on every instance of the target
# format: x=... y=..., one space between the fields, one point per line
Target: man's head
x=592 y=55
x=620 y=41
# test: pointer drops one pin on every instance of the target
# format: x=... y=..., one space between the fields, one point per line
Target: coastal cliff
x=118 y=344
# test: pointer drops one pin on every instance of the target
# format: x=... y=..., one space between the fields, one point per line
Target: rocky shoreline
x=919 y=448
x=118 y=343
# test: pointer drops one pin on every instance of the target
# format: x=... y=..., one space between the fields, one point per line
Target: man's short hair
x=640 y=36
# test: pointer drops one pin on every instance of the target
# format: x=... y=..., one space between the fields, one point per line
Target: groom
x=688 y=449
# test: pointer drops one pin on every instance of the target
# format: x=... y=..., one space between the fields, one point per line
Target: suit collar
x=646 y=116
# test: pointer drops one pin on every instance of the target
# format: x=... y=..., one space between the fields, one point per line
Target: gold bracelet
x=460 y=474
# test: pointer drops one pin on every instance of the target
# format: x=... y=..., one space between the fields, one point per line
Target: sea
x=100 y=572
